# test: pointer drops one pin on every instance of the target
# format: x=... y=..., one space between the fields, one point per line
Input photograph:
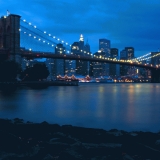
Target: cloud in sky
x=125 y=23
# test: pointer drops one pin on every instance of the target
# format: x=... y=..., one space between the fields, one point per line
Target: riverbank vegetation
x=10 y=71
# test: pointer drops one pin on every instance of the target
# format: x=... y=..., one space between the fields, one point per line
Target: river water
x=126 y=106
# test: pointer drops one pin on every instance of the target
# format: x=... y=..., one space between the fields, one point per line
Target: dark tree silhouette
x=35 y=73
x=9 y=71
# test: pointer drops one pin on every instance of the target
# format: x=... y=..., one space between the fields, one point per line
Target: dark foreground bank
x=29 y=141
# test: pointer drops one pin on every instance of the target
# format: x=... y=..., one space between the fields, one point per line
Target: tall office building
x=56 y=66
x=75 y=51
x=75 y=48
x=50 y=63
x=59 y=49
x=78 y=48
x=130 y=52
x=126 y=54
x=104 y=46
x=113 y=68
x=59 y=63
x=123 y=68
x=98 y=67
x=70 y=67
x=81 y=44
x=132 y=70
x=86 y=49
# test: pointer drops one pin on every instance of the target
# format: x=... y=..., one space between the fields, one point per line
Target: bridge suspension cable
x=141 y=57
x=46 y=34
x=49 y=40
x=36 y=36
x=145 y=57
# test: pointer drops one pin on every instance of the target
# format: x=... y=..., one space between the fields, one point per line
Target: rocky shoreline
x=43 y=141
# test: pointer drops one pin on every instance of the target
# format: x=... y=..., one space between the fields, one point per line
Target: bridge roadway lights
x=155 y=75
x=155 y=72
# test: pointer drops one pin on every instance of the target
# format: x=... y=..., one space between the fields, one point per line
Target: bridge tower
x=10 y=34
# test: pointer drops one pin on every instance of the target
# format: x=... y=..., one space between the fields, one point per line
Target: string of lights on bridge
x=38 y=39
x=35 y=37
x=130 y=61
x=46 y=33
x=138 y=59
x=145 y=57
x=141 y=57
x=43 y=39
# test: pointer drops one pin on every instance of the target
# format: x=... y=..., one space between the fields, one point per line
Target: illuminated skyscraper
x=75 y=48
x=104 y=46
x=59 y=63
x=127 y=54
x=130 y=52
x=60 y=49
x=81 y=44
x=86 y=48
x=98 y=67
x=78 y=48
x=123 y=68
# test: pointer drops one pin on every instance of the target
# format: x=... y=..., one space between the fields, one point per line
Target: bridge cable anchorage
x=47 y=34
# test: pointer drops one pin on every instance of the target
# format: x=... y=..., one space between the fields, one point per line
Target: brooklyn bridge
x=13 y=46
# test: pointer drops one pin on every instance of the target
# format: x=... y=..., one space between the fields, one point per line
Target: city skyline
x=125 y=24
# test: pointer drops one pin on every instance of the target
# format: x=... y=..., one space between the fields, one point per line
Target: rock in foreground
x=30 y=141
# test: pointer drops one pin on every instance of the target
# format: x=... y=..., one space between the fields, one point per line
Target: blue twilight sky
x=125 y=23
